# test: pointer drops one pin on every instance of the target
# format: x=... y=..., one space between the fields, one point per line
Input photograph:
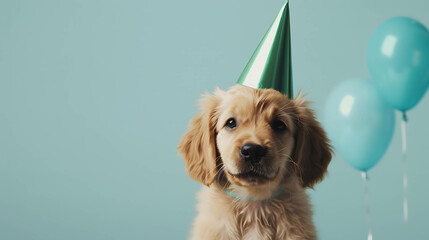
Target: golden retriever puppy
x=256 y=151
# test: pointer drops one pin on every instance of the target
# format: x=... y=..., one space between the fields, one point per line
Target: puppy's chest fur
x=257 y=220
x=221 y=217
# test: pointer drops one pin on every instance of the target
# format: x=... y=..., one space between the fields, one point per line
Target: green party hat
x=270 y=65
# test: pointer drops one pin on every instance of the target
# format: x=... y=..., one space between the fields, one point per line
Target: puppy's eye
x=278 y=125
x=231 y=123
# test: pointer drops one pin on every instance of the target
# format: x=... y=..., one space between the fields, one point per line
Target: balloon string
x=404 y=163
x=368 y=210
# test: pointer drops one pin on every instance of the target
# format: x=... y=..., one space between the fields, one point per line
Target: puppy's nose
x=253 y=152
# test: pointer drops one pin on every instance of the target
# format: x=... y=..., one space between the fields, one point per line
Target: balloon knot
x=404 y=116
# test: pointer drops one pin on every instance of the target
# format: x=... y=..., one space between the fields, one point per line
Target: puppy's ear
x=198 y=145
x=312 y=152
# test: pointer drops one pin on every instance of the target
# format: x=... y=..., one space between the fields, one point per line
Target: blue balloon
x=359 y=123
x=398 y=61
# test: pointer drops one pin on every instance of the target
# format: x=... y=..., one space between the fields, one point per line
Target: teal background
x=94 y=96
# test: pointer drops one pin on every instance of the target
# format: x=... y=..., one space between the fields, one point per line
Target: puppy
x=255 y=151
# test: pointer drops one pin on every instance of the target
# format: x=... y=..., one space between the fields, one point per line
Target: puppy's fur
x=271 y=203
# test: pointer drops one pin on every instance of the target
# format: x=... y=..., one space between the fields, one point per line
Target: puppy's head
x=254 y=137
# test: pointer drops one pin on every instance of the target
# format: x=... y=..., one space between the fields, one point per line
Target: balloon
x=359 y=123
x=398 y=61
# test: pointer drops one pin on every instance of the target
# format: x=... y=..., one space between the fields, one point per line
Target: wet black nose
x=253 y=153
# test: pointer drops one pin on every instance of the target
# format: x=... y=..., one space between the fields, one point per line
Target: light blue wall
x=94 y=96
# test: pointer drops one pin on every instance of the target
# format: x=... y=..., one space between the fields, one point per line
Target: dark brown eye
x=231 y=123
x=278 y=125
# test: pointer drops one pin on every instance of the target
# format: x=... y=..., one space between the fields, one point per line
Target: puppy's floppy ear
x=312 y=152
x=198 y=145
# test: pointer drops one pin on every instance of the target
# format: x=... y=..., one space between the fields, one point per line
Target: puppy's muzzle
x=253 y=153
